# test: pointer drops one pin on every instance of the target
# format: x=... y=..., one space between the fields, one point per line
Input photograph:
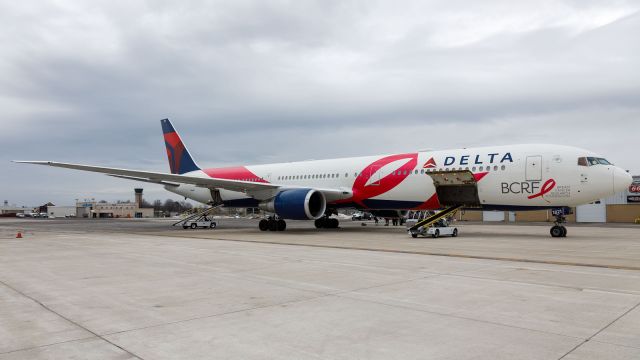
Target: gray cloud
x=252 y=82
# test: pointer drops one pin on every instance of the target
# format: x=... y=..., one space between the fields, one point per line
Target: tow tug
x=440 y=228
x=433 y=224
x=203 y=223
x=199 y=220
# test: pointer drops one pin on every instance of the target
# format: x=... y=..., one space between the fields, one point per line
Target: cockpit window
x=591 y=161
x=582 y=161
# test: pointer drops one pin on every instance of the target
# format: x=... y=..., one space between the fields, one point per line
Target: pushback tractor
x=200 y=220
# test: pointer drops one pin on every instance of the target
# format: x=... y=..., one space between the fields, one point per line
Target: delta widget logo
x=431 y=163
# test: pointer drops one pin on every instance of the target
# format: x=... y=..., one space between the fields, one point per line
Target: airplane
x=505 y=178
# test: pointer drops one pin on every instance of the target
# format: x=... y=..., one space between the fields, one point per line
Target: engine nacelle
x=297 y=204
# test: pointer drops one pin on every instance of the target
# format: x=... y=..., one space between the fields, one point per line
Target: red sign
x=634 y=188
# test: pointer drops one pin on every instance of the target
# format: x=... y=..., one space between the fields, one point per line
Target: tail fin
x=180 y=161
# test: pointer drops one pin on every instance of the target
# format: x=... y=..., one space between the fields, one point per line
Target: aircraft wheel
x=273 y=225
x=213 y=225
x=333 y=223
x=564 y=231
x=556 y=231
x=263 y=225
x=194 y=226
x=319 y=223
x=455 y=233
x=281 y=225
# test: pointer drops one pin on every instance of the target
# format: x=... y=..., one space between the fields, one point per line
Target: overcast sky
x=250 y=82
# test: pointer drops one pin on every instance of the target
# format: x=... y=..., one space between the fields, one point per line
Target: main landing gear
x=558 y=230
x=325 y=222
x=272 y=223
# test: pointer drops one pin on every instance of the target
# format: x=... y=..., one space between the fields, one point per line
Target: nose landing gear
x=558 y=230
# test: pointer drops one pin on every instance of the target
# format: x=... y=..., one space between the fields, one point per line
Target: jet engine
x=296 y=204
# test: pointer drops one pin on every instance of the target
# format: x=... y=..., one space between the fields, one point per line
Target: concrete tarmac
x=139 y=289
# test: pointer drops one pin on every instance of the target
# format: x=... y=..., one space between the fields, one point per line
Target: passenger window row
x=393 y=173
x=472 y=169
x=315 y=176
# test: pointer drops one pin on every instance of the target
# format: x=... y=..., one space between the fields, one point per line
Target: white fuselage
x=515 y=176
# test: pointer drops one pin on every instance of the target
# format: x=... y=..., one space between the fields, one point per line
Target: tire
x=213 y=225
x=319 y=223
x=263 y=225
x=333 y=223
x=437 y=234
x=455 y=232
x=281 y=225
x=556 y=231
x=414 y=235
x=194 y=226
x=564 y=231
x=273 y=225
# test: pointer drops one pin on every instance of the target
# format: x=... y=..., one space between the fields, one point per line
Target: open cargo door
x=456 y=188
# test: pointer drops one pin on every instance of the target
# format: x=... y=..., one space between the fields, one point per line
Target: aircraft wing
x=258 y=190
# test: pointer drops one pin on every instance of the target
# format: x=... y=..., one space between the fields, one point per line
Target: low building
x=93 y=209
x=62 y=211
x=11 y=210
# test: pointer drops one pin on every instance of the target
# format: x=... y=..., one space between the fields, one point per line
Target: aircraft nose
x=621 y=180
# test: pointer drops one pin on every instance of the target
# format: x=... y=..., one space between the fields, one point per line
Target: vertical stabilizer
x=180 y=161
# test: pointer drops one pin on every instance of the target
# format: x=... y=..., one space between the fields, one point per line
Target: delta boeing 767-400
x=512 y=177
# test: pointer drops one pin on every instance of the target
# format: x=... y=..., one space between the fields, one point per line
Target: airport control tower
x=138 y=198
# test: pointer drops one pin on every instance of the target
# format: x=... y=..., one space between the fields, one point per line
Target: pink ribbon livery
x=546 y=187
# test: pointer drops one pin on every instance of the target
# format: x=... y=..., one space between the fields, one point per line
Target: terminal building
x=7 y=210
x=62 y=211
x=93 y=209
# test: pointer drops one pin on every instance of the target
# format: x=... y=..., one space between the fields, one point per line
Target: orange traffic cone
x=19 y=235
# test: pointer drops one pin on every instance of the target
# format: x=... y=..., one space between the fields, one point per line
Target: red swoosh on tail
x=172 y=140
